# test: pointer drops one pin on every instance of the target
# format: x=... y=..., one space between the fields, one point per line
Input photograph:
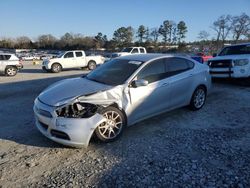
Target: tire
x=56 y=67
x=91 y=65
x=11 y=71
x=111 y=129
x=198 y=98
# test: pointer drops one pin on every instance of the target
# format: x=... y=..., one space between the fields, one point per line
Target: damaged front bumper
x=75 y=132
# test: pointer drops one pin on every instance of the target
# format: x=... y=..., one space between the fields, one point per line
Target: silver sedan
x=119 y=93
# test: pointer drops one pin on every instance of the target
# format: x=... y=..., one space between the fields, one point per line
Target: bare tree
x=7 y=43
x=23 y=42
x=203 y=35
x=222 y=26
x=46 y=41
x=240 y=26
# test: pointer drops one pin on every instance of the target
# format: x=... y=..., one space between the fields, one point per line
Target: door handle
x=190 y=75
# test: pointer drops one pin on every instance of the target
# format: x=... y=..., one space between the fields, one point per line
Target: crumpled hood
x=69 y=89
x=230 y=57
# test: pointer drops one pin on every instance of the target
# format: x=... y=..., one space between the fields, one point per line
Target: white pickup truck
x=72 y=59
x=130 y=51
x=232 y=62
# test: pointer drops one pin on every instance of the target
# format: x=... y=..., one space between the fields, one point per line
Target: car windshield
x=114 y=72
x=235 y=50
x=127 y=49
x=60 y=55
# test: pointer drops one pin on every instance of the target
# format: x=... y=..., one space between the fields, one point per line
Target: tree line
x=167 y=33
x=226 y=28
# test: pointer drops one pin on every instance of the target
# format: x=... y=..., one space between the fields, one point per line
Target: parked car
x=72 y=59
x=130 y=51
x=204 y=57
x=232 y=62
x=30 y=57
x=10 y=64
x=117 y=94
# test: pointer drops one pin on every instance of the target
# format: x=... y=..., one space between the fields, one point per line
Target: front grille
x=220 y=64
x=43 y=125
x=59 y=134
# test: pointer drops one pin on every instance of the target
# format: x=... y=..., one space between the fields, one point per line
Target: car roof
x=149 y=56
x=240 y=44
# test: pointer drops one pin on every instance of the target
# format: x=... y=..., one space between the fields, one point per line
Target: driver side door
x=153 y=98
x=69 y=60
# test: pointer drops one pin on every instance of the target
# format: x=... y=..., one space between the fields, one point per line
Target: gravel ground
x=206 y=148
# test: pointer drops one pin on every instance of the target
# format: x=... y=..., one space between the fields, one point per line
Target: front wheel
x=11 y=71
x=56 y=67
x=198 y=98
x=113 y=127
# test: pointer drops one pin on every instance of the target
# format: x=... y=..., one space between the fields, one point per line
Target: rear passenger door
x=80 y=59
x=181 y=82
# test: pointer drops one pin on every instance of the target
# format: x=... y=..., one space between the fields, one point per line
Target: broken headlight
x=77 y=110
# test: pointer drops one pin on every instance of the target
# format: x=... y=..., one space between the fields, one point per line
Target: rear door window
x=177 y=65
x=78 y=54
x=142 y=51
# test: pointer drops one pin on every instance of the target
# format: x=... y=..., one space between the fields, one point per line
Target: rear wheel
x=198 y=98
x=113 y=127
x=56 y=67
x=11 y=71
x=91 y=65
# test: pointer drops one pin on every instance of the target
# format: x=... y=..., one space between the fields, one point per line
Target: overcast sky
x=33 y=18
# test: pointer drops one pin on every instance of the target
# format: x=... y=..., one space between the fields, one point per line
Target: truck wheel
x=11 y=71
x=56 y=67
x=91 y=65
x=113 y=127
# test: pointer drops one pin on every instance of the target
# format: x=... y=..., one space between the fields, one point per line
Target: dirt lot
x=207 y=148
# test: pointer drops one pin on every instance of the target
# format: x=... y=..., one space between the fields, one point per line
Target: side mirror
x=214 y=54
x=139 y=83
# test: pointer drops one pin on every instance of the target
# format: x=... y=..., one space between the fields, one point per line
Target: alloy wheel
x=112 y=127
